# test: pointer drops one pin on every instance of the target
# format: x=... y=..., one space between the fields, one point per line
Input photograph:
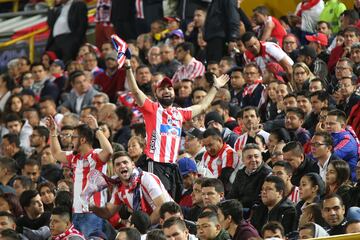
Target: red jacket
x=111 y=84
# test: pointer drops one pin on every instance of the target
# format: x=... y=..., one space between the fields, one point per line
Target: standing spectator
x=264 y=52
x=333 y=212
x=38 y=140
x=81 y=94
x=191 y=68
x=252 y=93
x=230 y=214
x=331 y=14
x=221 y=13
x=103 y=28
x=91 y=64
x=194 y=27
x=10 y=148
x=48 y=108
x=50 y=170
x=169 y=65
x=318 y=67
x=294 y=119
x=112 y=79
x=68 y=24
x=7 y=174
x=270 y=27
x=274 y=206
x=16 y=126
x=6 y=85
x=82 y=140
x=189 y=174
x=209 y=227
x=42 y=85
x=175 y=227
x=345 y=142
x=319 y=42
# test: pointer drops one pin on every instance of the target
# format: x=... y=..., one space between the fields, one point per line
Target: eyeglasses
x=65 y=135
x=250 y=73
x=317 y=144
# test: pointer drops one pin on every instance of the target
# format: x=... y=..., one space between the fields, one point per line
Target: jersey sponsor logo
x=167 y=130
x=152 y=142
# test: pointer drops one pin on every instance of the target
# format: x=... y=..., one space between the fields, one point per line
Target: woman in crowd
x=9 y=202
x=14 y=105
x=311 y=189
x=301 y=76
x=337 y=180
x=269 y=109
x=136 y=147
x=47 y=194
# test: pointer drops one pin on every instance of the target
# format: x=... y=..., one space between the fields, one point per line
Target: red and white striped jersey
x=226 y=158
x=241 y=141
x=194 y=69
x=163 y=130
x=269 y=52
x=294 y=196
x=81 y=166
x=151 y=187
x=139 y=6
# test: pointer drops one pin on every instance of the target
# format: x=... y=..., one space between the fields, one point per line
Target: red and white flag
x=121 y=48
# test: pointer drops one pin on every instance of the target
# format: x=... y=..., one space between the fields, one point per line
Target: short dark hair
x=304 y=94
x=212 y=132
x=298 y=112
x=340 y=115
x=287 y=167
x=233 y=208
x=25 y=181
x=10 y=234
x=329 y=196
x=139 y=129
x=328 y=140
x=27 y=196
x=43 y=132
x=120 y=154
x=249 y=108
x=8 y=163
x=273 y=226
x=36 y=64
x=131 y=233
x=86 y=132
x=64 y=199
x=12 y=117
x=156 y=234
x=295 y=147
x=212 y=216
x=124 y=113
x=75 y=74
x=169 y=207
x=197 y=89
x=213 y=182
x=32 y=162
x=224 y=105
x=8 y=215
x=279 y=183
x=247 y=36
x=186 y=46
x=229 y=60
x=352 y=15
x=262 y=10
x=141 y=221
x=310 y=226
x=321 y=22
x=321 y=95
x=62 y=211
x=352 y=29
x=175 y=221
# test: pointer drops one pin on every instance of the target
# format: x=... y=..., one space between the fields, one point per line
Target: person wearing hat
x=319 y=42
x=57 y=69
x=193 y=144
x=214 y=120
x=309 y=56
x=176 y=37
x=112 y=79
x=189 y=174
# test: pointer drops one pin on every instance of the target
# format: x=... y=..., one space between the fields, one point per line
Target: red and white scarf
x=306 y=6
x=250 y=88
x=68 y=233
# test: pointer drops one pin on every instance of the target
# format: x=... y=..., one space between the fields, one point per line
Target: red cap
x=318 y=37
x=165 y=80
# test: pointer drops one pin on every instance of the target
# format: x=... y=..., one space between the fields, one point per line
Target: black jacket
x=307 y=166
x=77 y=19
x=246 y=188
x=337 y=230
x=284 y=212
x=222 y=21
x=52 y=172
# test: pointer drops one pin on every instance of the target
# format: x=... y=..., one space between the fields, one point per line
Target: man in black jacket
x=222 y=25
x=294 y=154
x=68 y=23
x=274 y=206
x=333 y=212
x=247 y=185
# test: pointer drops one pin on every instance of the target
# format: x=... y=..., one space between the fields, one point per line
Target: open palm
x=222 y=80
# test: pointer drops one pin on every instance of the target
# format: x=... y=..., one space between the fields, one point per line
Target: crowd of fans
x=218 y=126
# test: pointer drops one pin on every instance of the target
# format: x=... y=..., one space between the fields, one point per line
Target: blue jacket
x=346 y=148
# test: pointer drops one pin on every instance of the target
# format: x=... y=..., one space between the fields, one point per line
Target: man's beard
x=166 y=102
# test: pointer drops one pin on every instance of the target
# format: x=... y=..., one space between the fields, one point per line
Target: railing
x=15 y=4
x=31 y=37
x=353 y=236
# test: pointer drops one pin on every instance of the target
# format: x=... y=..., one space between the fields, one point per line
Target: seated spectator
x=302 y=76
x=273 y=229
x=353 y=226
x=81 y=94
x=216 y=121
x=42 y=85
x=183 y=98
x=197 y=202
x=226 y=64
x=213 y=67
x=316 y=84
x=290 y=45
x=230 y=215
x=193 y=144
x=61 y=225
x=294 y=154
x=212 y=191
x=38 y=140
x=237 y=83
x=91 y=64
x=312 y=230
x=252 y=92
x=294 y=119
x=112 y=79
x=28 y=99
x=284 y=171
x=248 y=181
x=99 y=100
x=191 y=68
x=319 y=42
x=21 y=184
x=333 y=211
x=272 y=52
x=47 y=194
x=169 y=65
x=312 y=213
x=345 y=141
x=349 y=94
x=57 y=71
x=8 y=221
x=318 y=67
x=189 y=174
x=11 y=148
x=31 y=169
x=219 y=157
x=274 y=206
x=48 y=108
x=123 y=120
x=209 y=227
x=34 y=217
x=128 y=233
x=355 y=57
x=10 y=203
x=174 y=227
x=8 y=168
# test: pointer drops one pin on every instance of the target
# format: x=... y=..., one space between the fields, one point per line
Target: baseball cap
x=319 y=38
x=172 y=19
x=165 y=80
x=60 y=63
x=353 y=214
x=213 y=117
x=195 y=133
x=186 y=166
x=111 y=55
x=307 y=51
x=178 y=32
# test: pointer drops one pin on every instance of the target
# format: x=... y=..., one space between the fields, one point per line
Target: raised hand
x=91 y=121
x=50 y=123
x=221 y=81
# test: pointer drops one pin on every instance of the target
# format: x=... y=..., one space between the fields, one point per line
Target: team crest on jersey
x=168 y=130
